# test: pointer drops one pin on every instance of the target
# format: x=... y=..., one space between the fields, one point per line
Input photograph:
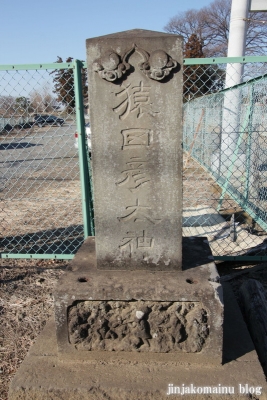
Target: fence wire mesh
x=224 y=169
x=40 y=191
x=225 y=157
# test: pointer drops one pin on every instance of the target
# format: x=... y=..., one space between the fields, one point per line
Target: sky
x=34 y=31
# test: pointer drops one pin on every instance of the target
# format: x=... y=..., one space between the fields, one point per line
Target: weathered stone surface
x=135 y=96
x=138 y=326
x=198 y=285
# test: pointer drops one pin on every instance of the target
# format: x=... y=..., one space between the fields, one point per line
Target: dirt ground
x=26 y=303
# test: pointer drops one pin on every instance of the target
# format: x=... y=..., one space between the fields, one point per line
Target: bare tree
x=43 y=101
x=216 y=19
x=211 y=25
x=36 y=100
x=7 y=106
x=49 y=100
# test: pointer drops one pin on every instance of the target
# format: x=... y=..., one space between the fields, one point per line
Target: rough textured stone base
x=138 y=326
x=86 y=301
x=44 y=376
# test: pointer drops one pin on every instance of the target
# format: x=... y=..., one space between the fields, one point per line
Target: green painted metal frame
x=38 y=256
x=224 y=60
x=83 y=157
x=249 y=143
x=44 y=66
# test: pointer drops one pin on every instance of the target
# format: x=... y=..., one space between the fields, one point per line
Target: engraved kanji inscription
x=135 y=175
x=135 y=138
x=134 y=98
x=134 y=241
x=138 y=212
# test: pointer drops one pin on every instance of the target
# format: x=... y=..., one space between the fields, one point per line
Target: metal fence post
x=249 y=143
x=83 y=156
x=233 y=159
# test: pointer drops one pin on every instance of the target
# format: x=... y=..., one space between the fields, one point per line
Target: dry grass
x=26 y=302
x=56 y=205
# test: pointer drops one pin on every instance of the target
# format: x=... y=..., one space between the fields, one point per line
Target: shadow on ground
x=54 y=241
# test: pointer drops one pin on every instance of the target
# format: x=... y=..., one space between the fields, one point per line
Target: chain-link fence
x=41 y=212
x=225 y=156
x=45 y=192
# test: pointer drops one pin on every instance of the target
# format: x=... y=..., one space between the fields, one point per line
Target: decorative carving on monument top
x=110 y=66
x=156 y=65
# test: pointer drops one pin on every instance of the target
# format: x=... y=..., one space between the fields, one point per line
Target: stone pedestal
x=170 y=312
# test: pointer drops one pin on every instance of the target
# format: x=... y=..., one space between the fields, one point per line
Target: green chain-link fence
x=44 y=199
x=225 y=155
x=45 y=193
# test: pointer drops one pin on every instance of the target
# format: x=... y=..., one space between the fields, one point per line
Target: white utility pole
x=234 y=74
x=237 y=40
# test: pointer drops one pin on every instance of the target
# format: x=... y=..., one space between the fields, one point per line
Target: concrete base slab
x=43 y=375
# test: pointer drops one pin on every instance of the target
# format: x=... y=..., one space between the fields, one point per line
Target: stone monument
x=135 y=293
x=135 y=93
x=139 y=309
